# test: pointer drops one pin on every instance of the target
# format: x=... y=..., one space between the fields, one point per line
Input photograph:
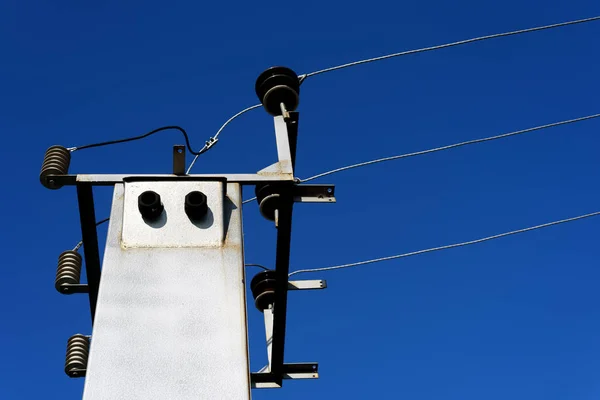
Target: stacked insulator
x=68 y=270
x=78 y=351
x=56 y=162
x=263 y=289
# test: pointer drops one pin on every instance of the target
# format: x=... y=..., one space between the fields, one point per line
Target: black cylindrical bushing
x=263 y=289
x=268 y=200
x=196 y=206
x=56 y=162
x=278 y=85
x=150 y=205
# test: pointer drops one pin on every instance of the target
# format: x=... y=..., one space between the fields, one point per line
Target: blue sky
x=514 y=318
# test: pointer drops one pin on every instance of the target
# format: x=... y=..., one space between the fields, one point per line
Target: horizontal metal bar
x=72 y=288
x=111 y=179
x=268 y=380
x=314 y=194
x=307 y=285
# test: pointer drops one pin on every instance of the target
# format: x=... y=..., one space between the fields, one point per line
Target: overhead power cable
x=450 y=246
x=447 y=147
x=451 y=146
x=452 y=44
x=207 y=146
x=214 y=139
x=303 y=77
x=78 y=246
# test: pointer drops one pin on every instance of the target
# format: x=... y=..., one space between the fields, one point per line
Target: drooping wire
x=443 y=46
x=257 y=265
x=78 y=246
x=207 y=146
x=303 y=77
x=450 y=246
x=447 y=147
x=214 y=139
x=451 y=146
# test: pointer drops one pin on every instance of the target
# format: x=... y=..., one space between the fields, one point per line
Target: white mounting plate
x=173 y=228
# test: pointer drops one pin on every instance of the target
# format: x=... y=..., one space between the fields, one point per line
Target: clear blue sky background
x=516 y=318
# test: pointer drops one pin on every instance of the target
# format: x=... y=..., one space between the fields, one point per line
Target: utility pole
x=168 y=306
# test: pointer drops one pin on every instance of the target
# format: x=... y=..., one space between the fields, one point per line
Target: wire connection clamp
x=68 y=273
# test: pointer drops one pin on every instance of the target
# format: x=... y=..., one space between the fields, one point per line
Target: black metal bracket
x=89 y=235
x=290 y=371
x=72 y=288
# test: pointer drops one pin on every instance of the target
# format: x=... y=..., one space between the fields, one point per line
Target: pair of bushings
x=151 y=206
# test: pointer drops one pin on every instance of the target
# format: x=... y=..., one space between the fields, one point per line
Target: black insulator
x=263 y=289
x=68 y=270
x=268 y=200
x=56 y=162
x=150 y=205
x=196 y=206
x=78 y=351
x=278 y=85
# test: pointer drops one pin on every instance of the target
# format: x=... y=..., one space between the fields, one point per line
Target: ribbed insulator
x=78 y=351
x=56 y=162
x=68 y=270
x=263 y=289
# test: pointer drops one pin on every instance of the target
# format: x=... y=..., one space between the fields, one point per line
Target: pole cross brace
x=307 y=285
x=268 y=380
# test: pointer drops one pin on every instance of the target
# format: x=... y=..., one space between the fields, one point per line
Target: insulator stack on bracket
x=68 y=273
x=56 y=162
x=78 y=351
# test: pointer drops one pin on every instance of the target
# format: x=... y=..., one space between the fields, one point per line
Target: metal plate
x=174 y=228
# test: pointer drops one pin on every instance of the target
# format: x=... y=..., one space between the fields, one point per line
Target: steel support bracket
x=307 y=285
x=268 y=380
x=72 y=288
x=314 y=194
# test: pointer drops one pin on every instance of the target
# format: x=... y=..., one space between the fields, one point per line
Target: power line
x=443 y=46
x=451 y=146
x=214 y=139
x=450 y=246
x=303 y=77
x=145 y=135
x=447 y=147
x=78 y=246
x=257 y=265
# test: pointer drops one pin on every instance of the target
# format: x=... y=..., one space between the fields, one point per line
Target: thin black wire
x=257 y=265
x=145 y=135
x=78 y=246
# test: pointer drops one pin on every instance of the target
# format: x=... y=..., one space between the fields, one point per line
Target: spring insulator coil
x=78 y=351
x=56 y=162
x=68 y=270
